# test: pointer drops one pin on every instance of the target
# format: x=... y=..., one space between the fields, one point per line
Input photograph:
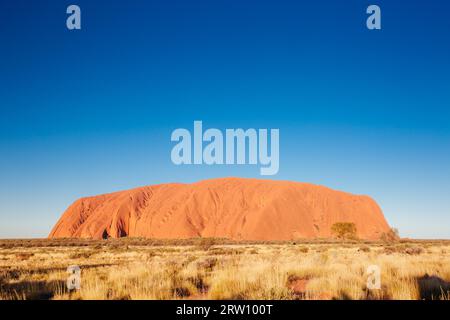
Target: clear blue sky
x=91 y=111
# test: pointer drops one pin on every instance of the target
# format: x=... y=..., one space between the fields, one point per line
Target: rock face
x=234 y=208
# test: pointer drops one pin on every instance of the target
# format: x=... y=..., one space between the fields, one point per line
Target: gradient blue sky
x=91 y=111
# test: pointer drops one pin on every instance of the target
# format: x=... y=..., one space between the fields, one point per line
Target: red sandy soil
x=234 y=208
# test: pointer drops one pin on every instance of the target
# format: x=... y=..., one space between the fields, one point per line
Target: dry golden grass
x=221 y=269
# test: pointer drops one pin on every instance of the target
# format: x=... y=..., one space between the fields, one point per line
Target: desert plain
x=209 y=268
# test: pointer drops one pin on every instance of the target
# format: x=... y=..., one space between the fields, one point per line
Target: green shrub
x=344 y=230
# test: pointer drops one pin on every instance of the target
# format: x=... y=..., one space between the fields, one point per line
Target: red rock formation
x=235 y=208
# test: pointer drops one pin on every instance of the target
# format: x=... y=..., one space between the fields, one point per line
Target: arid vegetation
x=221 y=269
x=344 y=230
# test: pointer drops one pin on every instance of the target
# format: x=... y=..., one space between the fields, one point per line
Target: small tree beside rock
x=390 y=236
x=344 y=230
